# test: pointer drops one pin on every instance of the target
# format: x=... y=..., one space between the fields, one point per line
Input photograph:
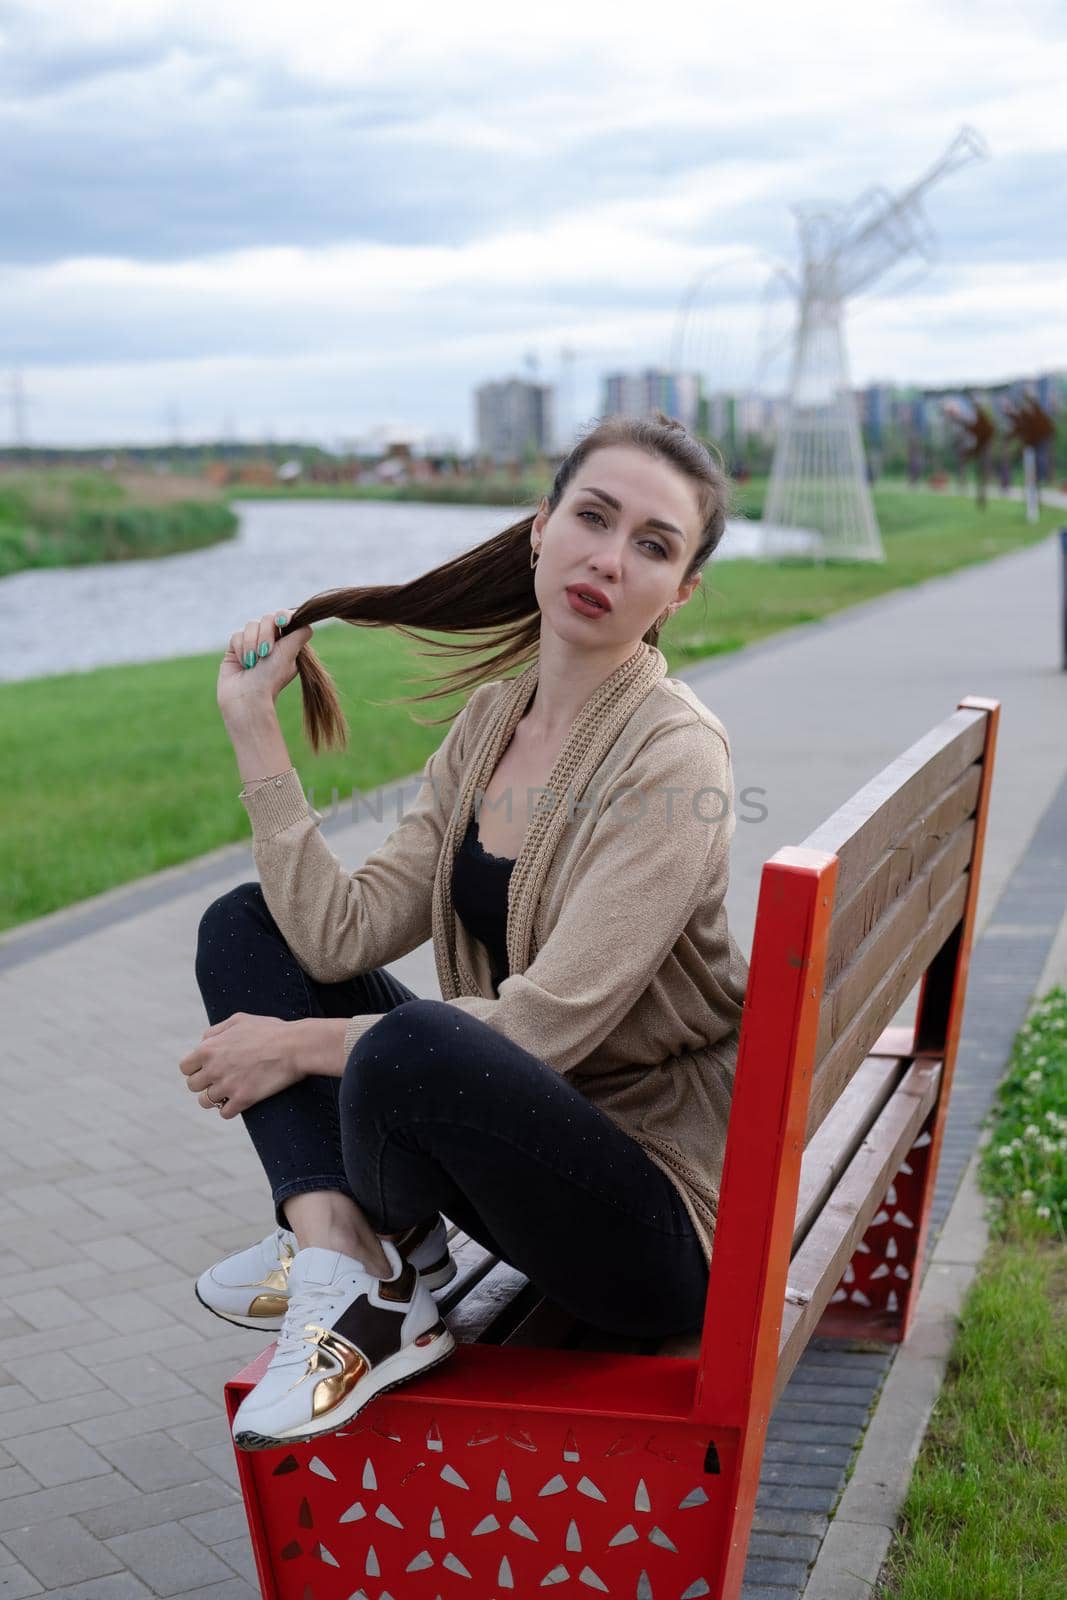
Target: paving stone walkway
x=116 y=1474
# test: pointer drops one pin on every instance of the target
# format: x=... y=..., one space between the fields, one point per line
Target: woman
x=566 y=1102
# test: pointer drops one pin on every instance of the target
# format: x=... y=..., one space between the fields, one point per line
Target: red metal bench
x=542 y=1454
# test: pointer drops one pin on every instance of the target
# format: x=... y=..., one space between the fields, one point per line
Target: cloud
x=172 y=136
x=198 y=196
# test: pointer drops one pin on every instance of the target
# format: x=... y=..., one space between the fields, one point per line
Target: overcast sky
x=308 y=220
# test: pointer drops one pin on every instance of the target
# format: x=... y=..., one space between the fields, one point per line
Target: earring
x=533 y=557
x=662 y=619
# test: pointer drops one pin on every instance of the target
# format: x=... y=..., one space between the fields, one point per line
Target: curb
x=858 y=1539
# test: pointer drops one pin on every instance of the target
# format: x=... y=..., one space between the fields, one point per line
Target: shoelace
x=311 y=1303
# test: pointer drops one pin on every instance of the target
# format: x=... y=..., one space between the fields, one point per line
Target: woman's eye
x=653 y=542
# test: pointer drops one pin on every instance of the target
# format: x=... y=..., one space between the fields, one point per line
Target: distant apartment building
x=514 y=418
x=733 y=418
x=637 y=394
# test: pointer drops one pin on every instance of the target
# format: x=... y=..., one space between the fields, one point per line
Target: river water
x=70 y=619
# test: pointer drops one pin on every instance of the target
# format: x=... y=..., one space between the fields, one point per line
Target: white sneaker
x=251 y=1287
x=347 y=1336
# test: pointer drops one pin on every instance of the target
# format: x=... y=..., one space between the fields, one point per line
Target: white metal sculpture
x=818 y=477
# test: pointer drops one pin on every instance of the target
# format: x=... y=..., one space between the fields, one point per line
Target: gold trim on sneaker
x=268 y=1305
x=331 y=1389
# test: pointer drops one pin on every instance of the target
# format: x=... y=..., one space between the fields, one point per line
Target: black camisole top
x=480 y=896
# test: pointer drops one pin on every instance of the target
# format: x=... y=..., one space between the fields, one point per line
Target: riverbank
x=64 y=519
x=496 y=491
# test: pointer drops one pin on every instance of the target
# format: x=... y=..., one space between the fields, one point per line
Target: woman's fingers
x=200 y=1074
x=252 y=641
x=215 y=1102
x=256 y=640
x=236 y=645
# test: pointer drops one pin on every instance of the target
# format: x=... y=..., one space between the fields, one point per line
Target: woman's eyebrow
x=616 y=505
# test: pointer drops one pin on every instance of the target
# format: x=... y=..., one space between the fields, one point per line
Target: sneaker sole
x=434 y=1277
x=389 y=1374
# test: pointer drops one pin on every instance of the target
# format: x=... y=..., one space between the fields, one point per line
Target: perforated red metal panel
x=421 y=1500
x=876 y=1288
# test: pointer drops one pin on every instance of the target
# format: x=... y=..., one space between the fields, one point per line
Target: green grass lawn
x=119 y=772
x=986 y=1514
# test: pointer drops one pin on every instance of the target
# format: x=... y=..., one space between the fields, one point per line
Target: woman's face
x=627 y=526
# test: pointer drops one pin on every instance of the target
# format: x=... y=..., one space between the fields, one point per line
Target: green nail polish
x=279 y=620
x=250 y=658
x=264 y=649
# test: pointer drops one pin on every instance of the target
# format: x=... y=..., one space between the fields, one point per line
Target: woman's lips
x=583 y=607
x=600 y=600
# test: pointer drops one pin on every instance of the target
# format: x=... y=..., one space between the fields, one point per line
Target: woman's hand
x=242 y=1060
x=243 y=688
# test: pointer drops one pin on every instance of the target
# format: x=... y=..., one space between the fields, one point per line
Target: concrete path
x=116 y=1475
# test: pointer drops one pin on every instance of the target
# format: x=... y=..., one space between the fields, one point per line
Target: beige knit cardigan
x=623 y=972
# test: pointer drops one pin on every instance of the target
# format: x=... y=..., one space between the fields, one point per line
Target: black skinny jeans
x=437 y=1112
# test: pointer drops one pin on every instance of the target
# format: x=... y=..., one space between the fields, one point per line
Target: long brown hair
x=490 y=588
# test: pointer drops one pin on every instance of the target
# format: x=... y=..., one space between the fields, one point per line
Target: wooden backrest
x=880 y=896
x=904 y=846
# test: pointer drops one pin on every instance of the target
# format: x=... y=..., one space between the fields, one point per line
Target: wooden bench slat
x=473 y=1262
x=859 y=832
x=819 y=1264
x=901 y=926
x=474 y=1305
x=837 y=1067
x=902 y=861
x=895 y=1041
x=841 y=1135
